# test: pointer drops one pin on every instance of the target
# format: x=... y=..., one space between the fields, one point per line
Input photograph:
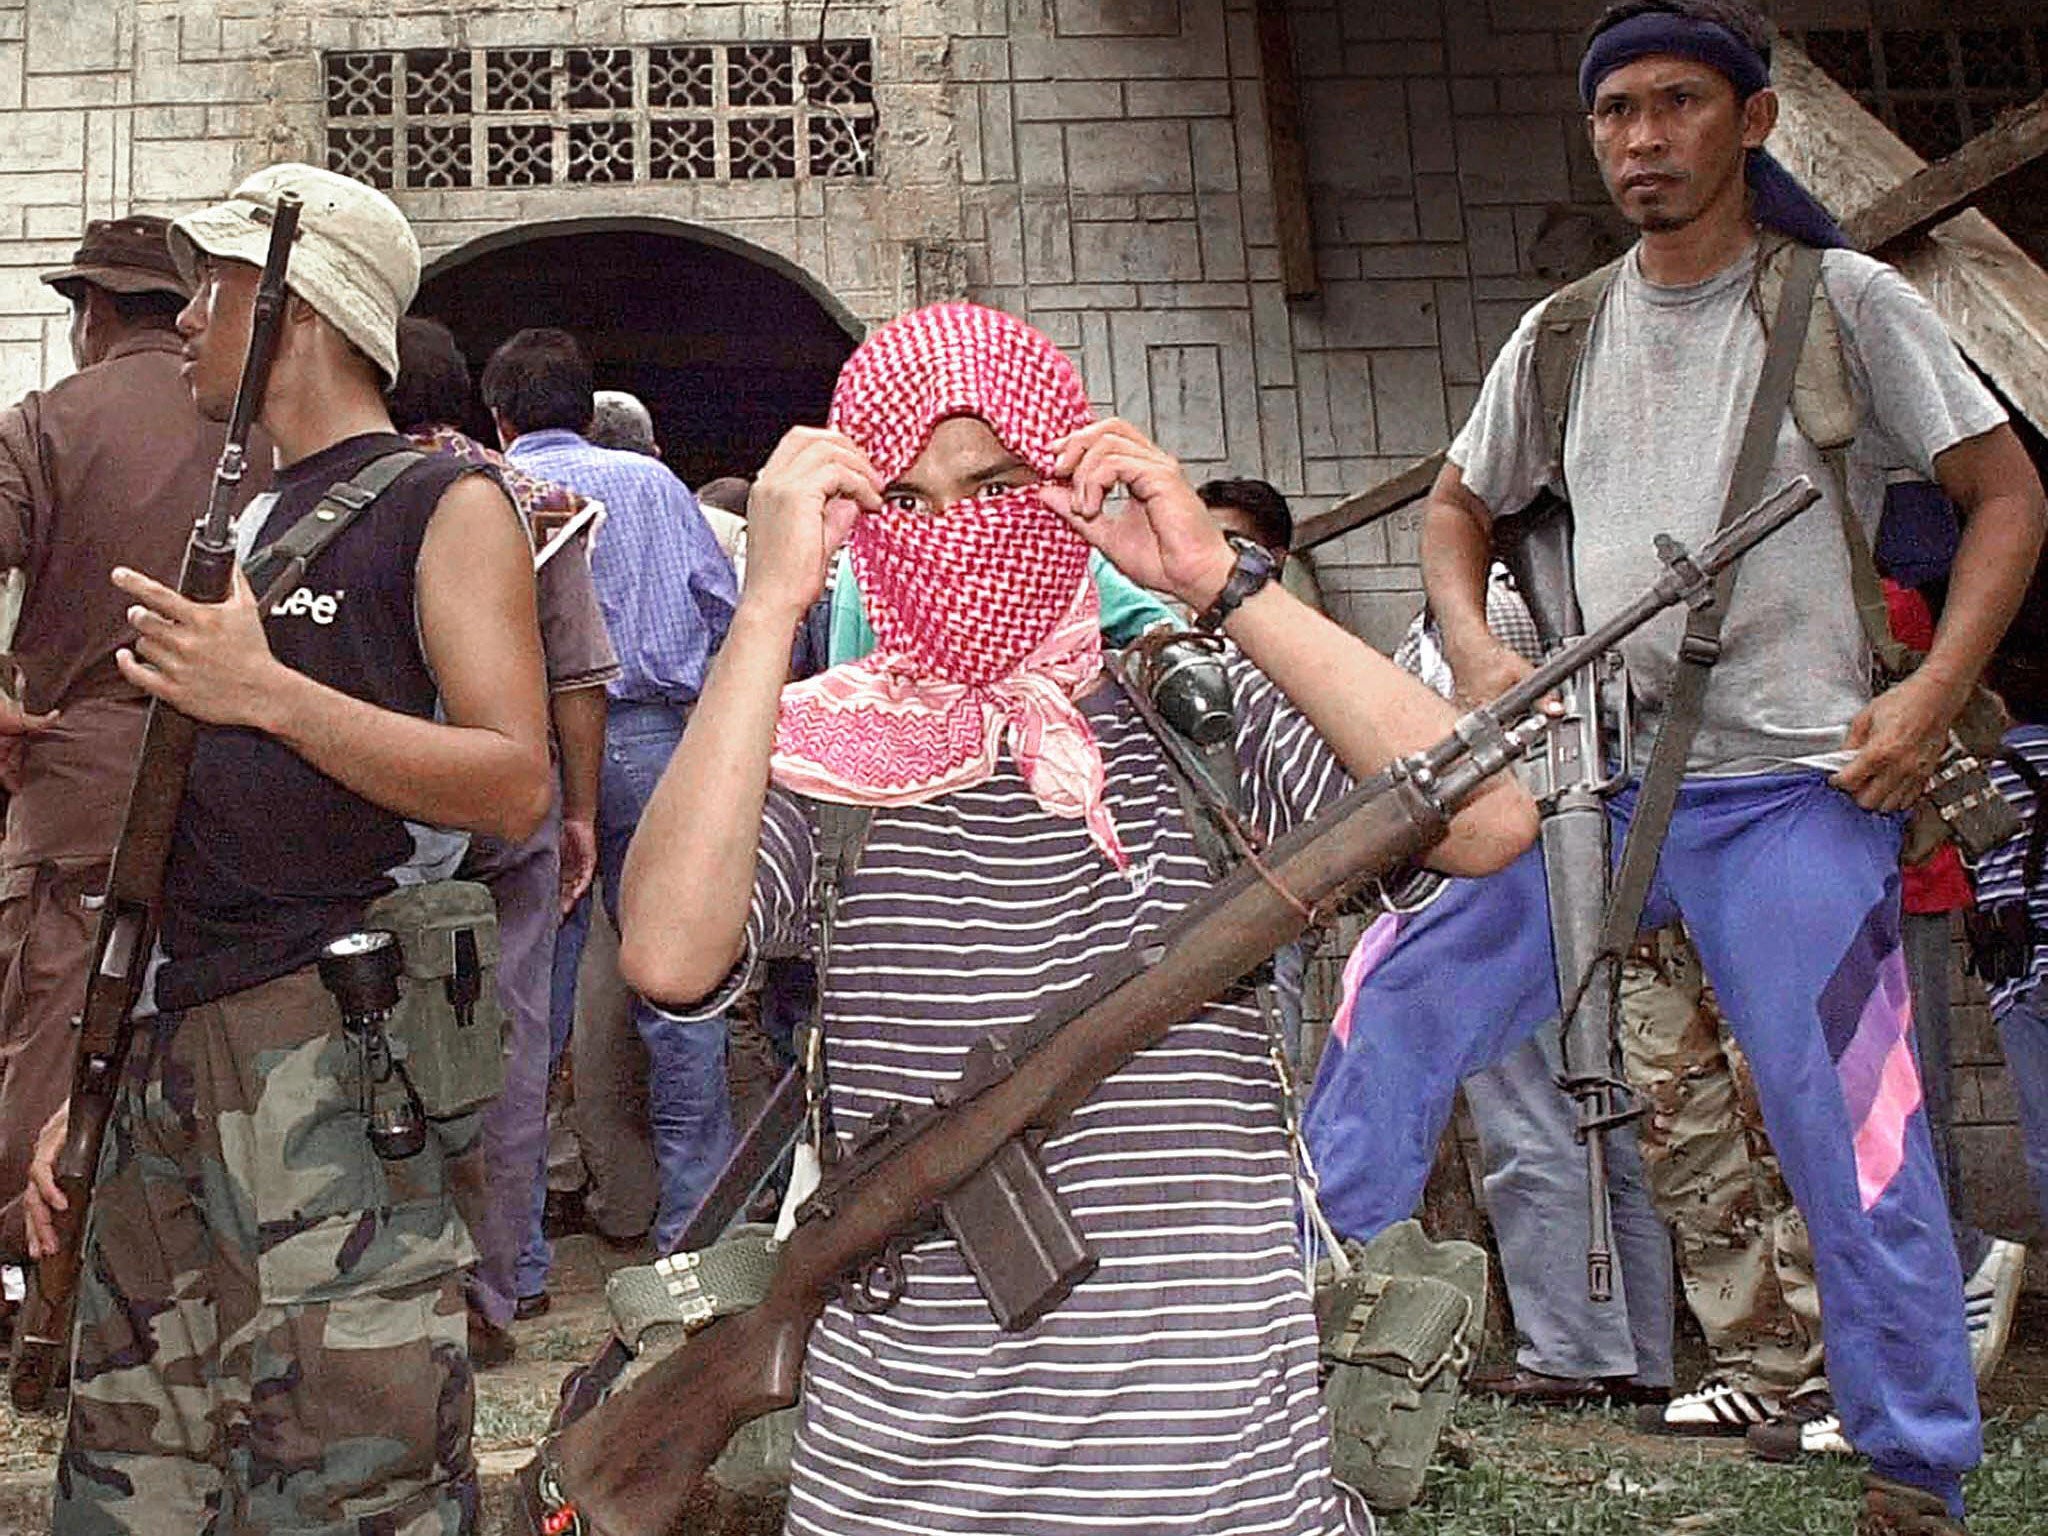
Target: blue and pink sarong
x=1791 y=894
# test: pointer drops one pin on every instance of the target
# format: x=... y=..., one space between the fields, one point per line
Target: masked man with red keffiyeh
x=1024 y=827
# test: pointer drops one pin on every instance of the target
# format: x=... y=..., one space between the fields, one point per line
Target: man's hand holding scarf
x=802 y=508
x=1161 y=536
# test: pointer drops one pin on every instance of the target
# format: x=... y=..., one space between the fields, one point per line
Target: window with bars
x=535 y=117
x=1937 y=87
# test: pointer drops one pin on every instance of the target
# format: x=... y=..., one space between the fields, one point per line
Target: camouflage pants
x=1745 y=1259
x=271 y=1333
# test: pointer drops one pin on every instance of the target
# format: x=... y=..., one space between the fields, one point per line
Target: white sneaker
x=1718 y=1407
x=1991 y=1295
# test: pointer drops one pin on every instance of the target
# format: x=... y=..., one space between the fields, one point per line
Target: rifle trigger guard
x=879 y=1284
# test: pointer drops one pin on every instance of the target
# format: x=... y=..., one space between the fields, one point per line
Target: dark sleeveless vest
x=271 y=857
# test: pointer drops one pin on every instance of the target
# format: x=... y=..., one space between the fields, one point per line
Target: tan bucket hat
x=127 y=255
x=355 y=260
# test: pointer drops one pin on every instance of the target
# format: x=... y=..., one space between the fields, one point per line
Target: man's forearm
x=690 y=872
x=1457 y=554
x=1993 y=566
x=579 y=715
x=1370 y=712
x=444 y=775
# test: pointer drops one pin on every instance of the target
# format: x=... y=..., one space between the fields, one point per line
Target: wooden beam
x=1286 y=153
x=1389 y=496
x=1990 y=293
x=1932 y=195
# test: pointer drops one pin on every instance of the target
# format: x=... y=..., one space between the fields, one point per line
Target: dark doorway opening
x=727 y=351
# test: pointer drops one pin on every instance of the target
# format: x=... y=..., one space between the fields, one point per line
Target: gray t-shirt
x=1656 y=418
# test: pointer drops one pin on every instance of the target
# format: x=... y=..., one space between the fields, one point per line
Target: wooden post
x=1367 y=507
x=1285 y=153
x=1940 y=191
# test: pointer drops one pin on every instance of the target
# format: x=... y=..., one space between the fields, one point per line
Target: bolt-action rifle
x=634 y=1465
x=1572 y=794
x=130 y=909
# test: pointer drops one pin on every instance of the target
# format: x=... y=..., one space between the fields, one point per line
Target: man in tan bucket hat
x=107 y=467
x=271 y=1330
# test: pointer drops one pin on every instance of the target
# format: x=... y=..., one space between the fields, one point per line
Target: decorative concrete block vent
x=422 y=119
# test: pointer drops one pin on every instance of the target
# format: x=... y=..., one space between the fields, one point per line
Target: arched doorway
x=728 y=347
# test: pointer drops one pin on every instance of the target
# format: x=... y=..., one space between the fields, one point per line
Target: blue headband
x=1778 y=201
x=1685 y=37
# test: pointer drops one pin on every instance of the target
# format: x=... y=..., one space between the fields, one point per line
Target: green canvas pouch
x=448 y=1029
x=1396 y=1335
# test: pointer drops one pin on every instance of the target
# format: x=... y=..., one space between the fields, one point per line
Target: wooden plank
x=1990 y=293
x=1285 y=151
x=1932 y=195
x=1389 y=496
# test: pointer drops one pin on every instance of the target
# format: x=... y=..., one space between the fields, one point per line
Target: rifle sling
x=279 y=565
x=1210 y=786
x=1701 y=648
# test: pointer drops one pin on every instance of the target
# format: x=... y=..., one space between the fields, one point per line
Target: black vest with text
x=271 y=857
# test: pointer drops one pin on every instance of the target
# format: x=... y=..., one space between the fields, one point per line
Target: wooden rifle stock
x=128 y=920
x=633 y=1465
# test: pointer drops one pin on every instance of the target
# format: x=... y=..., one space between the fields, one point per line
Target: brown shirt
x=572 y=634
x=108 y=467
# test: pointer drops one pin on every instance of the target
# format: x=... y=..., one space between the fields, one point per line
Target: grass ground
x=1512 y=1472
x=1503 y=1472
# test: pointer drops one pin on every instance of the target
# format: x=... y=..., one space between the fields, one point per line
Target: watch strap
x=1255 y=566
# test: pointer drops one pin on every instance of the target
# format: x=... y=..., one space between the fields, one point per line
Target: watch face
x=1253 y=554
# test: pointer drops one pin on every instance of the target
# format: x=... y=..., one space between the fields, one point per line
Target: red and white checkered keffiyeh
x=987 y=623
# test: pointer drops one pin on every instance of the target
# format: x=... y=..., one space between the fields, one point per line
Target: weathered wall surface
x=1099 y=165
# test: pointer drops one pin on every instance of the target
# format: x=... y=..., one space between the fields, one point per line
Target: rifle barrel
x=265 y=325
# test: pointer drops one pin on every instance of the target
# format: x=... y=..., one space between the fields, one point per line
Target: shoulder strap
x=1824 y=406
x=275 y=568
x=842 y=840
x=1561 y=331
x=1701 y=646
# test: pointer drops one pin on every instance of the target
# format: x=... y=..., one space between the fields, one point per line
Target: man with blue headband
x=1782 y=854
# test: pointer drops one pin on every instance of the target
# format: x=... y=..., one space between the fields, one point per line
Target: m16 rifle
x=1572 y=789
x=635 y=1465
x=130 y=909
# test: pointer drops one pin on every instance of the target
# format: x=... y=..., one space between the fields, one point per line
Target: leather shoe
x=527 y=1308
x=489 y=1345
x=1538 y=1389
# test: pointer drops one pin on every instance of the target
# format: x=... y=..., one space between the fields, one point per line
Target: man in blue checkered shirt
x=668 y=594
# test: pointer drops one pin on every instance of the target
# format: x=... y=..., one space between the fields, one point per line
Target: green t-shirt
x=1128 y=610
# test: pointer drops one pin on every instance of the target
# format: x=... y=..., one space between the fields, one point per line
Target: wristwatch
x=1254 y=568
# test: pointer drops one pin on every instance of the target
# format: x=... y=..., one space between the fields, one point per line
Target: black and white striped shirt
x=1176 y=1389
x=2001 y=873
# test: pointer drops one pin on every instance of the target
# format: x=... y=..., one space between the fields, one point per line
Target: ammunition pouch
x=448 y=1030
x=1963 y=805
x=1396 y=1335
x=655 y=1307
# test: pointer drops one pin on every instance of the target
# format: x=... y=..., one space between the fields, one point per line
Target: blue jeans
x=2023 y=1031
x=689 y=1114
x=1536 y=1196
